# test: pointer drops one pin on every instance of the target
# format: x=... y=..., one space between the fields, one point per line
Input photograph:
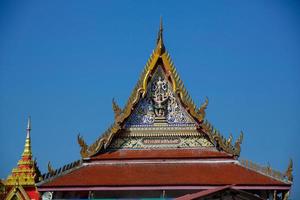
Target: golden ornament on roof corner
x=83 y=146
x=50 y=169
x=117 y=110
x=289 y=171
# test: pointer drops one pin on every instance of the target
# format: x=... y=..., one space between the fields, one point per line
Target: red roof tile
x=162 y=174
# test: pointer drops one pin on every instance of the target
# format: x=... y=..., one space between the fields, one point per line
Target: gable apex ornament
x=160 y=47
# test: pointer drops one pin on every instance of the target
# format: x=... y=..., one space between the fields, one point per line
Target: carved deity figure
x=160 y=95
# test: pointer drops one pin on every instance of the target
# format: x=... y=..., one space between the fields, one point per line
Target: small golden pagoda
x=20 y=184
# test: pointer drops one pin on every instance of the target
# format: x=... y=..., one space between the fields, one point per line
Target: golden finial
x=229 y=139
x=203 y=108
x=289 y=171
x=83 y=145
x=29 y=124
x=116 y=108
x=27 y=148
x=160 y=47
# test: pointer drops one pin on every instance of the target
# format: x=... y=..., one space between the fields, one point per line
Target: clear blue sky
x=62 y=62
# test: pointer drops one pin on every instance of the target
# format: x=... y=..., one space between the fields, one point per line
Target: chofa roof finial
x=160 y=47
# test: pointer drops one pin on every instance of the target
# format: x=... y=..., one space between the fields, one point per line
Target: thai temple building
x=160 y=146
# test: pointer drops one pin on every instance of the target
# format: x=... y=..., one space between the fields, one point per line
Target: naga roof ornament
x=117 y=110
x=289 y=171
x=166 y=100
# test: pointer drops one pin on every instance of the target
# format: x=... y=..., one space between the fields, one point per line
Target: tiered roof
x=22 y=181
x=161 y=140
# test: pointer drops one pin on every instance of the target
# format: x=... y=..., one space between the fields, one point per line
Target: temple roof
x=160 y=101
x=160 y=172
x=161 y=139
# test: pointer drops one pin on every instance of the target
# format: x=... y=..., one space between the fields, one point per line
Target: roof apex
x=160 y=47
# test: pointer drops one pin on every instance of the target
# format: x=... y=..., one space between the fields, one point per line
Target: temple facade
x=161 y=146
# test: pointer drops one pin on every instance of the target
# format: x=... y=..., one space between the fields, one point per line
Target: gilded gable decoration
x=159 y=106
x=159 y=99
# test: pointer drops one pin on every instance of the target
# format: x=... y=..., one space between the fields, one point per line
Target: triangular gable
x=160 y=105
x=160 y=57
x=17 y=192
x=159 y=119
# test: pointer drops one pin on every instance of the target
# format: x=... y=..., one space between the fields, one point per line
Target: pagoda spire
x=27 y=148
x=23 y=178
x=160 y=47
x=25 y=172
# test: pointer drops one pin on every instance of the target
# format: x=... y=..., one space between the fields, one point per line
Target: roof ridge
x=266 y=170
x=52 y=173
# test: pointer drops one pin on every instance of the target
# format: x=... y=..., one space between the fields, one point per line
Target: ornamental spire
x=27 y=147
x=160 y=47
x=25 y=173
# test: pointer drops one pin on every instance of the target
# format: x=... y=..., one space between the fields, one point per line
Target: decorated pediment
x=160 y=113
x=160 y=106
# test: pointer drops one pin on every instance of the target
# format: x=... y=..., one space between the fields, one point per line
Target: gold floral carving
x=160 y=142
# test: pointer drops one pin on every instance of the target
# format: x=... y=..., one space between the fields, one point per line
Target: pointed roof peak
x=27 y=147
x=160 y=47
x=25 y=173
x=28 y=125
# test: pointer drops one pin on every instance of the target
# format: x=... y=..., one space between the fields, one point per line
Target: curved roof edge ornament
x=237 y=144
x=289 y=171
x=203 y=107
x=117 y=110
x=50 y=169
x=83 y=145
